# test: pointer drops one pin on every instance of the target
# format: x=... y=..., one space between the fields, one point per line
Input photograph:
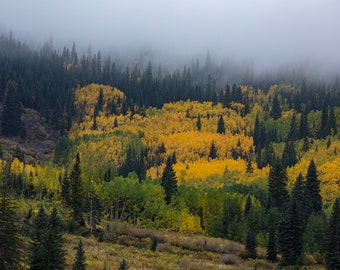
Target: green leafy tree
x=314 y=238
x=62 y=150
x=220 y=125
x=333 y=238
x=79 y=261
x=277 y=181
x=77 y=192
x=312 y=191
x=169 y=181
x=11 y=245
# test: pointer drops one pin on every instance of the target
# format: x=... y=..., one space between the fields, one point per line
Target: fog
x=266 y=34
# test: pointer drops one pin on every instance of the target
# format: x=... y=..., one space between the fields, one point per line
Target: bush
x=230 y=259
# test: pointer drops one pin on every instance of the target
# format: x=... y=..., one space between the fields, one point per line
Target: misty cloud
x=264 y=32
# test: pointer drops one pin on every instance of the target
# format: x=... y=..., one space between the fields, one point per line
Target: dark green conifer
x=276 y=112
x=294 y=130
x=220 y=125
x=169 y=181
x=272 y=246
x=313 y=197
x=332 y=121
x=213 y=151
x=198 y=123
x=123 y=265
x=277 y=181
x=289 y=155
x=306 y=144
x=251 y=244
x=247 y=207
x=11 y=245
x=333 y=239
x=304 y=127
x=79 y=261
x=77 y=192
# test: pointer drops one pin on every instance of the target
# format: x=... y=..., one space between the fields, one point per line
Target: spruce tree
x=36 y=248
x=277 y=181
x=272 y=246
x=249 y=168
x=11 y=124
x=66 y=190
x=247 y=207
x=213 y=151
x=199 y=123
x=294 y=130
x=313 y=197
x=306 y=144
x=169 y=181
x=291 y=236
x=220 y=125
x=333 y=239
x=77 y=192
x=324 y=128
x=304 y=127
x=10 y=242
x=289 y=155
x=251 y=243
x=276 y=112
x=79 y=261
x=332 y=121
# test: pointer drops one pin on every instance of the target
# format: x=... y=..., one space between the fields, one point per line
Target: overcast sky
x=263 y=31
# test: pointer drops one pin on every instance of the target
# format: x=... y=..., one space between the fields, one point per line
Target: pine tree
x=10 y=242
x=333 y=240
x=77 y=192
x=304 y=127
x=272 y=246
x=291 y=236
x=213 y=151
x=313 y=197
x=249 y=168
x=66 y=190
x=115 y=123
x=294 y=131
x=324 y=128
x=276 y=112
x=198 y=123
x=251 y=244
x=79 y=261
x=332 y=121
x=123 y=265
x=277 y=182
x=220 y=125
x=306 y=145
x=36 y=249
x=247 y=207
x=289 y=155
x=11 y=124
x=53 y=243
x=169 y=181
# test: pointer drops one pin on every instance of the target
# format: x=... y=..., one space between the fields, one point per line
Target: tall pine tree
x=333 y=241
x=77 y=193
x=79 y=261
x=220 y=125
x=313 y=197
x=169 y=181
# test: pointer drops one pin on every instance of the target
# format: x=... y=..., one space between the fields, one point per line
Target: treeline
x=45 y=80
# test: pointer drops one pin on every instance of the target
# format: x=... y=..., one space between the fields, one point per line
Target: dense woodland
x=255 y=162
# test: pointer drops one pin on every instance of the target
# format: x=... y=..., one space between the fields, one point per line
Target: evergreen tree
x=332 y=121
x=269 y=157
x=304 y=127
x=79 y=261
x=220 y=125
x=313 y=197
x=277 y=181
x=11 y=124
x=306 y=145
x=333 y=239
x=272 y=246
x=123 y=265
x=294 y=130
x=10 y=242
x=169 y=181
x=276 y=112
x=115 y=123
x=247 y=207
x=213 y=151
x=289 y=155
x=324 y=128
x=257 y=134
x=77 y=192
x=36 y=248
x=53 y=243
x=291 y=236
x=94 y=209
x=251 y=243
x=66 y=190
x=198 y=123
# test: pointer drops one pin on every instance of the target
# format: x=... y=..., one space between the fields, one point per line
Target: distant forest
x=45 y=80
